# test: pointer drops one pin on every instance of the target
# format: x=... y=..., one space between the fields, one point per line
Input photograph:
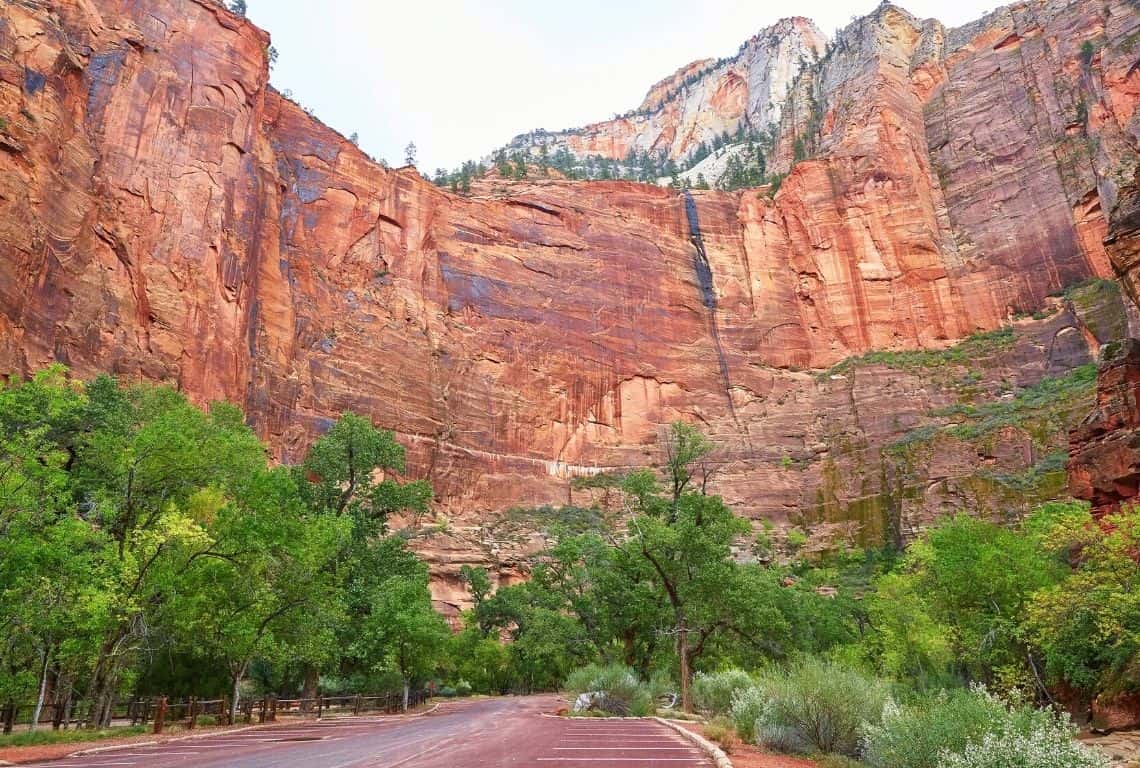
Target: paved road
x=490 y=733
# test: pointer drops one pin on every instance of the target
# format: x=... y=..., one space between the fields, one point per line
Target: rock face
x=701 y=100
x=1104 y=467
x=165 y=214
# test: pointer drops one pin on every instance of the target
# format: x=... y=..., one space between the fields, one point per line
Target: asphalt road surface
x=488 y=733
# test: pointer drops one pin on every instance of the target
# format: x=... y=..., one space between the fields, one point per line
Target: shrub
x=621 y=692
x=837 y=761
x=974 y=729
x=661 y=684
x=1042 y=739
x=819 y=706
x=721 y=731
x=747 y=706
x=713 y=693
x=463 y=688
x=915 y=736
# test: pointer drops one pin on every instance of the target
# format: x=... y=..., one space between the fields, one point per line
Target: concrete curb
x=712 y=750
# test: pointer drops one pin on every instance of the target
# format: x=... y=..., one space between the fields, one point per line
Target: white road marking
x=634 y=749
x=689 y=760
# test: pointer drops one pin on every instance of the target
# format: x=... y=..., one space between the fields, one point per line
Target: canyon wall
x=700 y=101
x=165 y=214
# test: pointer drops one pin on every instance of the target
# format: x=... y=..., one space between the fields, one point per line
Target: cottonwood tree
x=403 y=632
x=683 y=539
x=349 y=473
x=264 y=582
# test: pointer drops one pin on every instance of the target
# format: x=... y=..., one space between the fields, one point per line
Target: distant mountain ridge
x=700 y=102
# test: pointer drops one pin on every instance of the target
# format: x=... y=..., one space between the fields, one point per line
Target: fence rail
x=159 y=711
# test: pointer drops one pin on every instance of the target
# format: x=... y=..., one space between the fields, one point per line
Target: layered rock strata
x=165 y=214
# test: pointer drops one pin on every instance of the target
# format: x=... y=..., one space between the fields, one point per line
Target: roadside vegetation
x=983 y=637
x=148 y=547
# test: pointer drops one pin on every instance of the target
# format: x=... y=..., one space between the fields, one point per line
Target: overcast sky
x=460 y=78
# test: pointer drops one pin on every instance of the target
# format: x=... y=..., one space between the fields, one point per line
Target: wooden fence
x=189 y=713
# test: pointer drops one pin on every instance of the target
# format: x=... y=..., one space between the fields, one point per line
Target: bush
x=1042 y=739
x=837 y=761
x=463 y=688
x=818 y=706
x=621 y=692
x=915 y=736
x=747 y=706
x=714 y=693
x=974 y=729
x=661 y=684
x=721 y=731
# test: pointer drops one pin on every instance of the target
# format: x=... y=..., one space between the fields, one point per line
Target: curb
x=712 y=750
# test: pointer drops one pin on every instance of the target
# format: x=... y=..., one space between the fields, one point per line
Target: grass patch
x=966 y=351
x=1051 y=468
x=48 y=736
x=1045 y=402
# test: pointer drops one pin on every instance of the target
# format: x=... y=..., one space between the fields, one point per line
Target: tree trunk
x=309 y=689
x=405 y=694
x=236 y=675
x=43 y=691
x=102 y=683
x=105 y=677
x=683 y=658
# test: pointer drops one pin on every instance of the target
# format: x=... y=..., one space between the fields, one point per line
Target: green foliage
x=138 y=529
x=973 y=348
x=480 y=661
x=1027 y=739
x=714 y=692
x=1087 y=53
x=1088 y=625
x=1045 y=401
x=916 y=735
x=818 y=706
x=748 y=706
x=968 y=581
x=622 y=693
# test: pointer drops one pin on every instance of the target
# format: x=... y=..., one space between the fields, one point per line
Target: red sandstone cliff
x=165 y=214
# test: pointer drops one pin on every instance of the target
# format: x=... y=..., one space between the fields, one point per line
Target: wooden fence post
x=273 y=709
x=264 y=710
x=160 y=715
x=193 y=712
x=320 y=706
x=356 y=705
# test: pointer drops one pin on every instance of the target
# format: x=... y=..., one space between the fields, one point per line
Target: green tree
x=685 y=539
x=1088 y=625
x=403 y=632
x=265 y=583
x=974 y=580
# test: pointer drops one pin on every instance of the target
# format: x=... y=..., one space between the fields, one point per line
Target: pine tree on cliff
x=238 y=7
x=410 y=153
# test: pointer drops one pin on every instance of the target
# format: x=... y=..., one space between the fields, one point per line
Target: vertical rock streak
x=708 y=292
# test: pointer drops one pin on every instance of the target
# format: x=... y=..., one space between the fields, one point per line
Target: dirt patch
x=748 y=756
